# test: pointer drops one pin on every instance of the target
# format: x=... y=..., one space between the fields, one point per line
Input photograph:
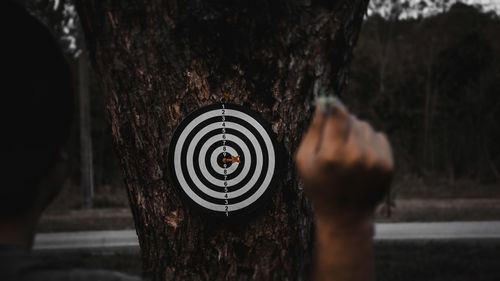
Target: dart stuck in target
x=223 y=159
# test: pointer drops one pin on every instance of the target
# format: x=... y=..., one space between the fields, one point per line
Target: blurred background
x=425 y=72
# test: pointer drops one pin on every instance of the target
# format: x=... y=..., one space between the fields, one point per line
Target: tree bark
x=160 y=60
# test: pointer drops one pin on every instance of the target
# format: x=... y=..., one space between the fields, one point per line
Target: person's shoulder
x=79 y=275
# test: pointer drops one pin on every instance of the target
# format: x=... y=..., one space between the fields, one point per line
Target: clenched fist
x=345 y=165
x=346 y=168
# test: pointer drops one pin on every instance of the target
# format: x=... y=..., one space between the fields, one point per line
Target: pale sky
x=486 y=4
x=433 y=6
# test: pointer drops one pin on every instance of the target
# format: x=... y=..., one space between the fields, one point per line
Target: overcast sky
x=434 y=7
x=487 y=4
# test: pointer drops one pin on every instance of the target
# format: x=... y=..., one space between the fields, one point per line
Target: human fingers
x=366 y=142
x=335 y=131
x=309 y=145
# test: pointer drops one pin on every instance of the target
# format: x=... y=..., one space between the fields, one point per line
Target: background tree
x=61 y=18
x=439 y=104
x=159 y=60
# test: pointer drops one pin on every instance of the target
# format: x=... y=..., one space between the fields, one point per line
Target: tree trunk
x=86 y=163
x=160 y=60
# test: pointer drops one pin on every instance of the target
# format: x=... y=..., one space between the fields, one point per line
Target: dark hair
x=36 y=106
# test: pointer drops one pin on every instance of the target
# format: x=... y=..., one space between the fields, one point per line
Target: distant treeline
x=433 y=85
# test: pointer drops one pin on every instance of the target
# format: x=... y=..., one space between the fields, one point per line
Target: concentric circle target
x=223 y=158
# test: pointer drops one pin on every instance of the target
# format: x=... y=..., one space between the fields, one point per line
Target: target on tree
x=223 y=158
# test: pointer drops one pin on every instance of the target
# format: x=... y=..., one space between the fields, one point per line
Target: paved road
x=437 y=230
x=119 y=240
x=112 y=240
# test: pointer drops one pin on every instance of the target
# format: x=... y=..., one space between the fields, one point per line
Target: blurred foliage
x=433 y=85
x=61 y=18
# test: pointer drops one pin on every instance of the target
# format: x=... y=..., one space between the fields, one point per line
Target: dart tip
x=233 y=159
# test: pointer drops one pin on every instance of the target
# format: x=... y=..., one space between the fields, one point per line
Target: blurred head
x=36 y=110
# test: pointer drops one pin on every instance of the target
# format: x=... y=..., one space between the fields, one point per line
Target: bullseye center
x=221 y=163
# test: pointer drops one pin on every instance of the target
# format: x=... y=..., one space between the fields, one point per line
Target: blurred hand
x=345 y=165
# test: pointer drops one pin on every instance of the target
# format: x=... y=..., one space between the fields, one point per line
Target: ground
x=405 y=210
x=415 y=200
x=394 y=261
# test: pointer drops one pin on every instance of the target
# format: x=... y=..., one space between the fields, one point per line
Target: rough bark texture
x=160 y=60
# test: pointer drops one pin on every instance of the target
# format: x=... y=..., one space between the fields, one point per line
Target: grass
x=124 y=262
x=438 y=261
x=411 y=187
